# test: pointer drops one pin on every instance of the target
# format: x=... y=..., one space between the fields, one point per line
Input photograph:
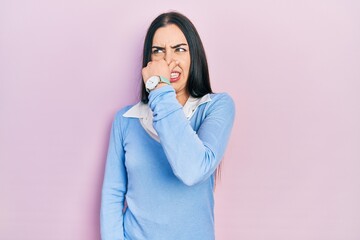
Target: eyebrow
x=176 y=46
x=179 y=45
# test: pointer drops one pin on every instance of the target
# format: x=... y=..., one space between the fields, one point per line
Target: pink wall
x=292 y=170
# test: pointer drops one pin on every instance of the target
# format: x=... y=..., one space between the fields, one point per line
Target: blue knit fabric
x=168 y=186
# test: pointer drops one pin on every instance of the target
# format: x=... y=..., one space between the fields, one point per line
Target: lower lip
x=175 y=79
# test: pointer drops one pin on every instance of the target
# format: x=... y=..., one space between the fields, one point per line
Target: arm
x=114 y=187
x=193 y=156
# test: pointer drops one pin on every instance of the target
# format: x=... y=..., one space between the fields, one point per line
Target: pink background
x=292 y=169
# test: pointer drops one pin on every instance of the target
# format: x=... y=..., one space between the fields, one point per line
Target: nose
x=169 y=56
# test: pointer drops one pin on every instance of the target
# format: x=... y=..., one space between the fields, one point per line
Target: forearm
x=192 y=156
x=111 y=216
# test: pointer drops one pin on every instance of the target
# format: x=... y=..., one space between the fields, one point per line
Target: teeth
x=174 y=75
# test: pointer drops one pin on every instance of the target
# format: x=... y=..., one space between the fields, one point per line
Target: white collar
x=144 y=113
x=141 y=110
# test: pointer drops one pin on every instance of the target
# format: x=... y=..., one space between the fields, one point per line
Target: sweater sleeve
x=193 y=156
x=114 y=187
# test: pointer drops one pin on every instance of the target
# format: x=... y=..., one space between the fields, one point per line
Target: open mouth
x=174 y=76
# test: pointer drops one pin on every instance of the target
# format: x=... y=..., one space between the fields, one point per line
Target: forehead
x=169 y=35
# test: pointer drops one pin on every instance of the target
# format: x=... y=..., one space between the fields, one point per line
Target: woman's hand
x=158 y=68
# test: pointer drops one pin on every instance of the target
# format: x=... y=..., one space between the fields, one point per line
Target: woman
x=163 y=151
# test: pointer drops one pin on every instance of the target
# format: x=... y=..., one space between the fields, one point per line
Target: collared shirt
x=144 y=113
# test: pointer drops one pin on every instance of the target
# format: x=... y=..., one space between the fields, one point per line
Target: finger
x=173 y=64
x=145 y=73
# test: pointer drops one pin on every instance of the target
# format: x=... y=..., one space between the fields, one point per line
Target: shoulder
x=119 y=122
x=221 y=105
x=223 y=101
x=221 y=97
x=119 y=113
x=119 y=119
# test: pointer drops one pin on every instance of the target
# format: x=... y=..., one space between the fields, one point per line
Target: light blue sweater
x=168 y=186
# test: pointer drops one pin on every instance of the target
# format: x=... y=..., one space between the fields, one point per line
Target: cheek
x=155 y=58
x=185 y=65
x=187 y=68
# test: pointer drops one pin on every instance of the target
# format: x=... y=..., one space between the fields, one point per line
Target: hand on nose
x=158 y=68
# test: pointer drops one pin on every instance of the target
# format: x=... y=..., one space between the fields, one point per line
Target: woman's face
x=169 y=43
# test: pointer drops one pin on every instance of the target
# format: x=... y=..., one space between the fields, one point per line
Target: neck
x=182 y=97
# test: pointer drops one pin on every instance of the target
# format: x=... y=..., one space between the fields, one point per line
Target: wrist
x=161 y=84
x=155 y=82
